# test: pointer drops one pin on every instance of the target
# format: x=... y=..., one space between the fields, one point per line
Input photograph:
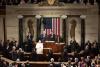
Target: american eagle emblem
x=51 y=2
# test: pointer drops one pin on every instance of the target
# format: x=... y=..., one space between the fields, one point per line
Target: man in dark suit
x=85 y=2
x=43 y=36
x=51 y=37
x=28 y=64
x=34 y=55
x=87 y=49
x=1 y=45
x=13 y=53
x=49 y=55
x=29 y=37
x=74 y=49
x=52 y=64
x=30 y=42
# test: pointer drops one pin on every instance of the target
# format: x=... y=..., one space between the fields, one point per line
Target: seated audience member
x=5 y=64
x=6 y=48
x=62 y=65
x=17 y=59
x=74 y=49
x=88 y=43
x=93 y=64
x=20 y=54
x=87 y=49
x=82 y=63
x=95 y=48
x=69 y=63
x=97 y=59
x=14 y=64
x=14 y=54
x=52 y=60
x=27 y=64
x=11 y=44
x=15 y=43
x=22 y=65
x=60 y=59
x=59 y=64
x=1 y=64
x=52 y=64
x=49 y=55
x=34 y=55
x=29 y=42
x=1 y=45
x=76 y=62
x=39 y=47
x=64 y=55
x=9 y=49
x=85 y=2
x=88 y=61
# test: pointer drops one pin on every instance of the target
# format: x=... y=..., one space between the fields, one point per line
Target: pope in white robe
x=39 y=47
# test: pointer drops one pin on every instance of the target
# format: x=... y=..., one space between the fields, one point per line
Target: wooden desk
x=46 y=50
x=56 y=47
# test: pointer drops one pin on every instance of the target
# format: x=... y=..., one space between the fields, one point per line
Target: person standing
x=43 y=36
x=39 y=47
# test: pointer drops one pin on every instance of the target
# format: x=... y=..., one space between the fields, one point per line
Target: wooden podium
x=55 y=47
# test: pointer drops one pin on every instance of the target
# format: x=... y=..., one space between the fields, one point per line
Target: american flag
x=52 y=25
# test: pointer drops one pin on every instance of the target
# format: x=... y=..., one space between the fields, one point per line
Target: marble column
x=64 y=29
x=38 y=17
x=99 y=23
x=82 y=17
x=4 y=29
x=20 y=17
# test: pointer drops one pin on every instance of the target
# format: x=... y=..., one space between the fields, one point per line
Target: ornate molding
x=38 y=16
x=32 y=9
x=83 y=16
x=51 y=3
x=20 y=16
x=64 y=16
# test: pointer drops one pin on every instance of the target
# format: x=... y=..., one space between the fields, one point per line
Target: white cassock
x=39 y=48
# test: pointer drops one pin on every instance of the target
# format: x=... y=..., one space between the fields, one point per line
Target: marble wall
x=91 y=32
x=12 y=27
x=91 y=25
x=1 y=29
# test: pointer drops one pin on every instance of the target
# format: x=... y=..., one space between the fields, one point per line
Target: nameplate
x=47 y=48
x=60 y=43
x=49 y=41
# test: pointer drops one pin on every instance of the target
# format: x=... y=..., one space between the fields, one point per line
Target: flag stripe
x=56 y=26
x=59 y=26
x=52 y=25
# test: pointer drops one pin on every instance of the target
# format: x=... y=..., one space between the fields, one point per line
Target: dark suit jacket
x=42 y=38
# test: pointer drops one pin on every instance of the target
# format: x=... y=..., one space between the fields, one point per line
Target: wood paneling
x=56 y=47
